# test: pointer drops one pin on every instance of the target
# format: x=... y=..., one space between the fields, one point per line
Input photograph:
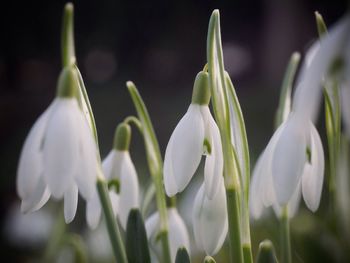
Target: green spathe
x=201 y=89
x=122 y=137
x=67 y=83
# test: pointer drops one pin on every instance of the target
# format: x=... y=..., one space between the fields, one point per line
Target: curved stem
x=155 y=164
x=111 y=222
x=135 y=121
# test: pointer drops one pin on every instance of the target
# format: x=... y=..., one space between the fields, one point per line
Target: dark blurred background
x=161 y=46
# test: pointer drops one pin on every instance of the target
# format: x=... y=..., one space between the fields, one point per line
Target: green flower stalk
x=235 y=148
x=155 y=165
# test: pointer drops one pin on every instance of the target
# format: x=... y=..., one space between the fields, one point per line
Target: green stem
x=221 y=111
x=155 y=164
x=286 y=255
x=67 y=36
x=135 y=121
x=247 y=253
x=232 y=196
x=111 y=222
x=56 y=237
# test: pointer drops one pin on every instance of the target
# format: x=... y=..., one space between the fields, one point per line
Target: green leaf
x=286 y=89
x=321 y=25
x=242 y=149
x=182 y=256
x=266 y=253
x=136 y=239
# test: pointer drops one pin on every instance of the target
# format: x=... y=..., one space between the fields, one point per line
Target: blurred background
x=161 y=46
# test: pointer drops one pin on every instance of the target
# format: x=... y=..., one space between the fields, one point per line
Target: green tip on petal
x=209 y=259
x=67 y=84
x=122 y=137
x=201 y=89
x=321 y=25
x=266 y=253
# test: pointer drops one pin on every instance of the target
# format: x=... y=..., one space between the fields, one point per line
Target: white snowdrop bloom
x=30 y=230
x=293 y=162
x=196 y=134
x=316 y=67
x=118 y=166
x=59 y=154
x=178 y=235
x=210 y=222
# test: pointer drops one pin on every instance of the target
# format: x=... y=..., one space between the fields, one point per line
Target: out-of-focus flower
x=27 y=230
x=210 y=223
x=329 y=53
x=292 y=160
x=118 y=169
x=59 y=154
x=195 y=134
x=178 y=235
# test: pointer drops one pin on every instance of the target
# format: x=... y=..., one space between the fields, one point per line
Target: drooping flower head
x=210 y=222
x=178 y=235
x=59 y=155
x=121 y=174
x=195 y=134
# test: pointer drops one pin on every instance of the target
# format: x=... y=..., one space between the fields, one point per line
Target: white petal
x=214 y=163
x=115 y=202
x=255 y=201
x=70 y=203
x=107 y=164
x=210 y=223
x=37 y=198
x=294 y=202
x=308 y=93
x=289 y=158
x=312 y=179
x=152 y=225
x=262 y=191
x=129 y=189
x=178 y=235
x=30 y=165
x=152 y=230
x=93 y=211
x=87 y=171
x=183 y=157
x=61 y=146
x=170 y=184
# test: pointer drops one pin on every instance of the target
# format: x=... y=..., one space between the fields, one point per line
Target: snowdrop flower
x=59 y=155
x=210 y=223
x=178 y=235
x=293 y=162
x=28 y=230
x=319 y=61
x=120 y=172
x=195 y=134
